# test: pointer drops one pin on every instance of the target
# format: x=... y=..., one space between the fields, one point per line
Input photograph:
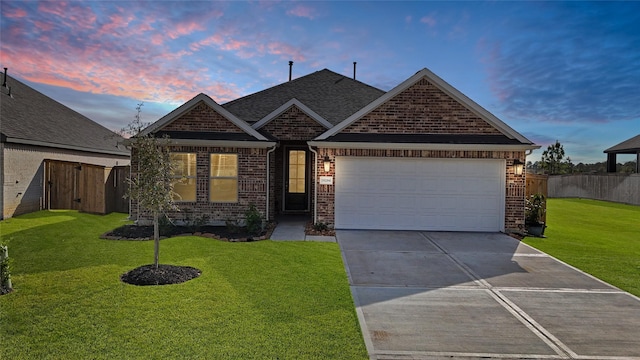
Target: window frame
x=236 y=178
x=177 y=177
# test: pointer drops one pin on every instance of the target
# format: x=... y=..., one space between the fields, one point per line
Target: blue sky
x=551 y=70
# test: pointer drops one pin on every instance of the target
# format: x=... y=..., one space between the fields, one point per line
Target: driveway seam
x=553 y=342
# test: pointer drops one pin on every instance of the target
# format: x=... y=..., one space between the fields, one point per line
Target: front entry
x=296 y=180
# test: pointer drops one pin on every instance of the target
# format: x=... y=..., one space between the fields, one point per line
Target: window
x=223 y=181
x=297 y=171
x=184 y=183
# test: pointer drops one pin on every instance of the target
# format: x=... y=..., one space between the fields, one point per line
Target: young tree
x=151 y=182
x=552 y=158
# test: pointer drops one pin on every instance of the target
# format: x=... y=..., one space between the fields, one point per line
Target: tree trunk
x=156 y=239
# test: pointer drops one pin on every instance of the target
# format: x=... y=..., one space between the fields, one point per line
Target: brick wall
x=514 y=192
x=202 y=118
x=293 y=124
x=252 y=170
x=23 y=174
x=421 y=109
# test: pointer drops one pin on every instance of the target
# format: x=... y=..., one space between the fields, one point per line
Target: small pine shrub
x=320 y=226
x=253 y=220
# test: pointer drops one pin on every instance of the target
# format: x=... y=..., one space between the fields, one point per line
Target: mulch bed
x=4 y=291
x=311 y=230
x=163 y=275
x=143 y=233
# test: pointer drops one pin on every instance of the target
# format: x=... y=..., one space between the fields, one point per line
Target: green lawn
x=259 y=300
x=600 y=238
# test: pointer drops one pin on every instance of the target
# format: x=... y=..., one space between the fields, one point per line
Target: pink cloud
x=302 y=11
x=101 y=70
x=15 y=13
x=43 y=26
x=235 y=45
x=116 y=24
x=215 y=39
x=280 y=48
x=183 y=29
x=157 y=39
x=72 y=16
x=430 y=20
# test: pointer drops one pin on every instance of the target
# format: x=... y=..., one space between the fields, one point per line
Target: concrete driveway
x=439 y=295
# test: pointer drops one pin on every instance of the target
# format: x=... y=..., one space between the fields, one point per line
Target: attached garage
x=419 y=194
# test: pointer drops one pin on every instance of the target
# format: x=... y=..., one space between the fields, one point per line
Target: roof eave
x=420 y=146
x=219 y=143
x=284 y=107
x=186 y=107
x=442 y=85
x=65 y=146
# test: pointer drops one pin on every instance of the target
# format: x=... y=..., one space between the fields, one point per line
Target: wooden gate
x=85 y=187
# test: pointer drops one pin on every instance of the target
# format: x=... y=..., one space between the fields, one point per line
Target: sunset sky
x=551 y=70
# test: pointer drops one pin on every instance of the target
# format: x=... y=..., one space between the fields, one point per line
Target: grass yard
x=598 y=237
x=258 y=300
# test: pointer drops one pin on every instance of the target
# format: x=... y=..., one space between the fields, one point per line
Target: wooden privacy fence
x=85 y=187
x=621 y=188
x=537 y=184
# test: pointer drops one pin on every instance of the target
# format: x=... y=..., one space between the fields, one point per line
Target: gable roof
x=30 y=117
x=629 y=146
x=186 y=107
x=332 y=96
x=443 y=86
x=293 y=102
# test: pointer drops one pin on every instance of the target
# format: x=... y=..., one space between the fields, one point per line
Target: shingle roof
x=630 y=146
x=332 y=96
x=30 y=117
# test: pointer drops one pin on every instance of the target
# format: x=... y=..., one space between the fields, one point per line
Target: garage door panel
x=419 y=194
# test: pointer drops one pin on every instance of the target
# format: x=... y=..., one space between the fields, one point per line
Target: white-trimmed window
x=184 y=183
x=223 y=178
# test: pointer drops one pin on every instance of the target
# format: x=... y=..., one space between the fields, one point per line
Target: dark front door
x=296 y=180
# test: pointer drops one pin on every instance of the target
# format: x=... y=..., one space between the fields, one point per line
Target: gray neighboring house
x=34 y=128
x=629 y=146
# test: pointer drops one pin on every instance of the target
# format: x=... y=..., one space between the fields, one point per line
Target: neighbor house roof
x=629 y=146
x=32 y=118
x=331 y=96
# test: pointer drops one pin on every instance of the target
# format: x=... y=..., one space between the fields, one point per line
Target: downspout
x=315 y=184
x=268 y=182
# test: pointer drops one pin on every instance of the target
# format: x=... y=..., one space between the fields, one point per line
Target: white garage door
x=419 y=194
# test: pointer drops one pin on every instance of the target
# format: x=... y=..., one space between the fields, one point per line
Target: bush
x=253 y=220
x=320 y=226
x=534 y=209
x=5 y=275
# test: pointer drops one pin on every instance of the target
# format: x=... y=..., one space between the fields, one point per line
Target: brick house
x=34 y=128
x=421 y=156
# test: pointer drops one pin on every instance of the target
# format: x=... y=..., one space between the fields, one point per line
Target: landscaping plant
x=253 y=220
x=5 y=274
x=151 y=185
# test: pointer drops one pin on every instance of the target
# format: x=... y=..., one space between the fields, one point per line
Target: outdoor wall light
x=327 y=163
x=518 y=167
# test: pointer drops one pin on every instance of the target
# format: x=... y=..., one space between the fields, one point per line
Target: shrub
x=534 y=209
x=320 y=226
x=253 y=220
x=5 y=269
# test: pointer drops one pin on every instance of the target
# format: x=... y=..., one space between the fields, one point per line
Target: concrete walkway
x=437 y=295
x=291 y=228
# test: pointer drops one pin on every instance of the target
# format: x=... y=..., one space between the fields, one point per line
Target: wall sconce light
x=327 y=163
x=518 y=167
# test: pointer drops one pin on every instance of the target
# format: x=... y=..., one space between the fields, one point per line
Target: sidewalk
x=291 y=228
